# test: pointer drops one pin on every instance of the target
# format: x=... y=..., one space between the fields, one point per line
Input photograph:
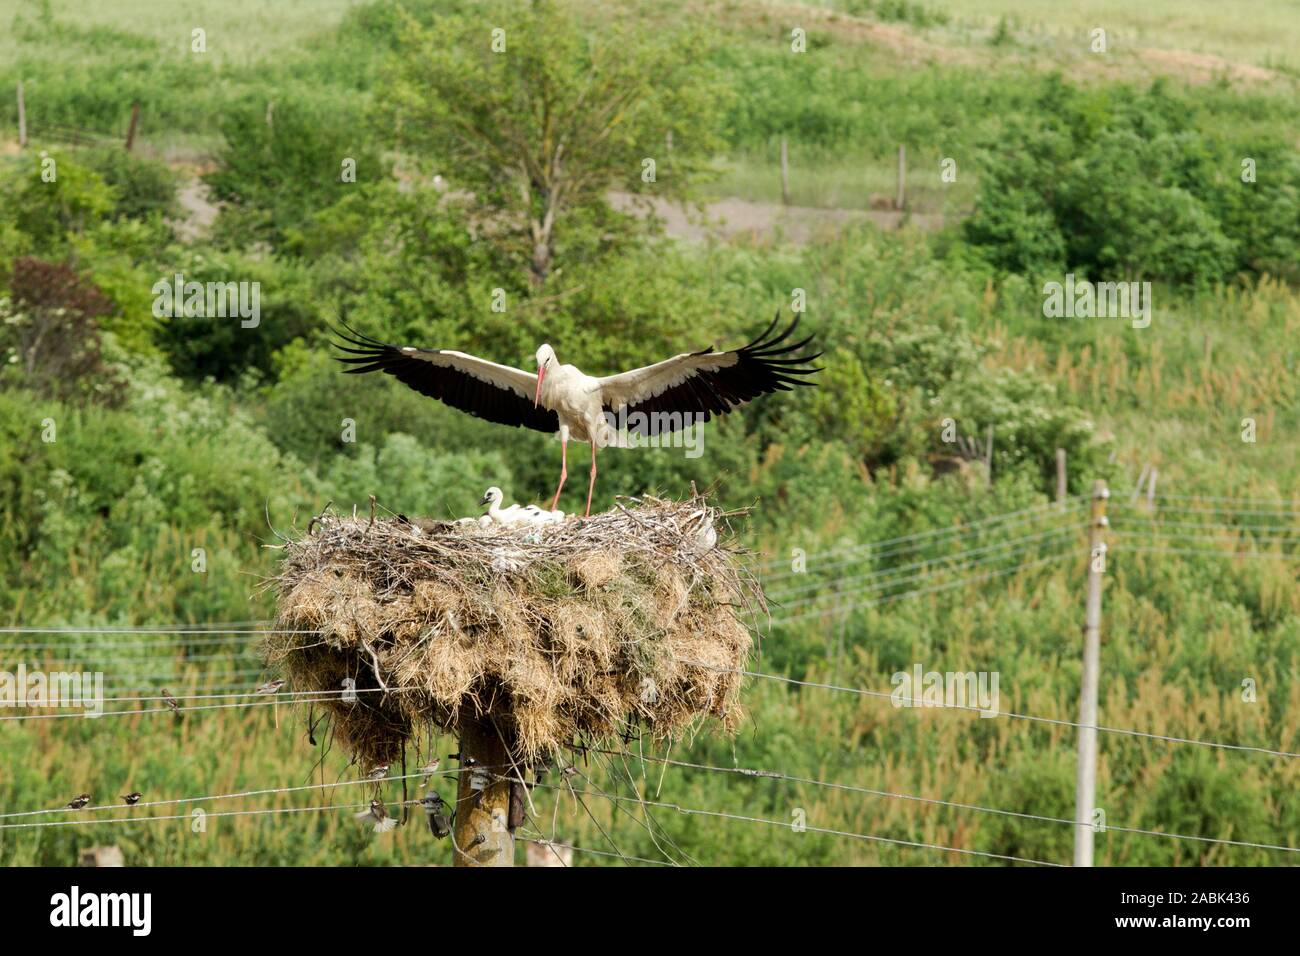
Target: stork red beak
x=537 y=396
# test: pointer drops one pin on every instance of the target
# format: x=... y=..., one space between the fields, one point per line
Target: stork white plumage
x=560 y=399
x=516 y=514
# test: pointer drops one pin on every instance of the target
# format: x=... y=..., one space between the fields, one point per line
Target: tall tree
x=539 y=114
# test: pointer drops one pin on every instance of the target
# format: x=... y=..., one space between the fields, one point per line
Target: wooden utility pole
x=483 y=835
x=22 y=117
x=1062 y=485
x=1085 y=792
x=988 y=455
x=785 y=172
x=135 y=122
x=901 y=197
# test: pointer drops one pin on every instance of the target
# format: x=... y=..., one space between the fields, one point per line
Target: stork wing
x=496 y=393
x=706 y=383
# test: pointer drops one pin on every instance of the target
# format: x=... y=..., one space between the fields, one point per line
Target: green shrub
x=143 y=187
x=51 y=196
x=277 y=173
x=1120 y=185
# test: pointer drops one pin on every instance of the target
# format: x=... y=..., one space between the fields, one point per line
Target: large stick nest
x=562 y=635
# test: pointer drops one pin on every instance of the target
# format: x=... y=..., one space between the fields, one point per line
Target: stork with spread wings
x=562 y=400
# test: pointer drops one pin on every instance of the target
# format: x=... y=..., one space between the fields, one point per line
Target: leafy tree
x=276 y=170
x=1131 y=187
x=540 y=118
x=45 y=210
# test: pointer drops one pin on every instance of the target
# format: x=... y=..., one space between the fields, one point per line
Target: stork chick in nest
x=515 y=514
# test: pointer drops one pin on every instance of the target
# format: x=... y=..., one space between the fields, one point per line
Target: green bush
x=143 y=187
x=1122 y=185
x=274 y=174
x=51 y=196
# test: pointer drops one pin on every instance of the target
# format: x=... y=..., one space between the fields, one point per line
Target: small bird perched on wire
x=429 y=769
x=77 y=802
x=378 y=817
x=378 y=772
x=171 y=701
x=436 y=812
x=132 y=798
x=270 y=687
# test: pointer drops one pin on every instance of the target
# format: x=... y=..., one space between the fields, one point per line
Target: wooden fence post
x=130 y=130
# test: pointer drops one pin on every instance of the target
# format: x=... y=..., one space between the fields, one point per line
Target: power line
x=1214 y=554
x=960 y=531
x=1180 y=509
x=935 y=560
x=552 y=845
x=248 y=693
x=134 y=645
x=179 y=816
x=88 y=715
x=868 y=552
x=863 y=692
x=1210 y=525
x=1233 y=500
x=451 y=771
x=136 y=630
x=317 y=695
x=921 y=576
x=848 y=834
x=1154 y=533
x=890 y=598
x=273 y=810
x=777 y=775
x=159 y=659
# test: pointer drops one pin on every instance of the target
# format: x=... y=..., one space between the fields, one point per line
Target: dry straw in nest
x=560 y=634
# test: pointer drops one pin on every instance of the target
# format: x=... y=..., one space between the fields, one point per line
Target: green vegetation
x=144 y=443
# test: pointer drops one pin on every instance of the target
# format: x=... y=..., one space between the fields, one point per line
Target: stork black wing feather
x=763 y=366
x=447 y=383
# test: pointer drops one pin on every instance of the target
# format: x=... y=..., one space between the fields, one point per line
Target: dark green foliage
x=1125 y=185
x=225 y=348
x=142 y=187
x=274 y=172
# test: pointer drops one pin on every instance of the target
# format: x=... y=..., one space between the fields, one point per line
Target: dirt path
x=724 y=219
x=199 y=212
x=731 y=217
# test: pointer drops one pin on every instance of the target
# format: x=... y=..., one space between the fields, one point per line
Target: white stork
x=515 y=514
x=561 y=400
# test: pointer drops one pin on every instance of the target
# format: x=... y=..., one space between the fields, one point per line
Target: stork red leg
x=591 y=485
x=564 y=471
